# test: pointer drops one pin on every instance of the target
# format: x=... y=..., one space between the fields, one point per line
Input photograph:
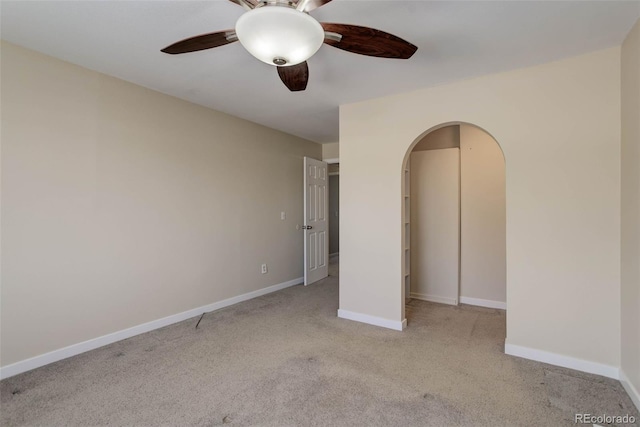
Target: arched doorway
x=454 y=218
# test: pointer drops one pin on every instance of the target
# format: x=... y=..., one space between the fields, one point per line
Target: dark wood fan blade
x=202 y=42
x=295 y=77
x=312 y=4
x=369 y=41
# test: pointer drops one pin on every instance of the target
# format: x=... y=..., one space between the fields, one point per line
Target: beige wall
x=435 y=225
x=631 y=209
x=446 y=137
x=483 y=269
x=121 y=205
x=559 y=127
x=331 y=151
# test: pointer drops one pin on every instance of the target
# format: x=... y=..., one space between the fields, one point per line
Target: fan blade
x=310 y=4
x=368 y=41
x=202 y=42
x=295 y=77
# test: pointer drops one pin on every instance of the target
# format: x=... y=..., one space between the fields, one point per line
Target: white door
x=316 y=210
x=435 y=225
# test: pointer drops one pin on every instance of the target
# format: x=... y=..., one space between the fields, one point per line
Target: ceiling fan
x=282 y=33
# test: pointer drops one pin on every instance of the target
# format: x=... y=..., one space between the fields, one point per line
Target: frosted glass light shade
x=275 y=34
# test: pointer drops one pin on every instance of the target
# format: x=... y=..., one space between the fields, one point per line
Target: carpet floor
x=285 y=359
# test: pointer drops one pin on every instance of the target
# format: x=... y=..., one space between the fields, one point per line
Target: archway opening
x=454 y=219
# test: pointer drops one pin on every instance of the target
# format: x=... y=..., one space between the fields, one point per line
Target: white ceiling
x=456 y=40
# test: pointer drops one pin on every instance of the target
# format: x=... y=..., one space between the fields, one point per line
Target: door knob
x=307 y=227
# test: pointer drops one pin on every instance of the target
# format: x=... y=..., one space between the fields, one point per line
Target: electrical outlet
x=264 y=269
x=283 y=215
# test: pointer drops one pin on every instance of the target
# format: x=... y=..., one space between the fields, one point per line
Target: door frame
x=404 y=187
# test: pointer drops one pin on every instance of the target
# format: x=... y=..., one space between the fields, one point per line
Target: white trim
x=561 y=360
x=74 y=349
x=372 y=320
x=633 y=392
x=434 y=298
x=484 y=303
x=332 y=161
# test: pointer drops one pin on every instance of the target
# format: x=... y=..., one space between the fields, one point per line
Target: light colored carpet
x=285 y=359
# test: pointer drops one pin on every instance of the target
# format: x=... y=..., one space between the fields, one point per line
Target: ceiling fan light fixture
x=279 y=35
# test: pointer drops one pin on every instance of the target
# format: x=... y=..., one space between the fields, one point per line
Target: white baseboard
x=72 y=350
x=483 y=303
x=561 y=360
x=633 y=392
x=434 y=298
x=373 y=320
